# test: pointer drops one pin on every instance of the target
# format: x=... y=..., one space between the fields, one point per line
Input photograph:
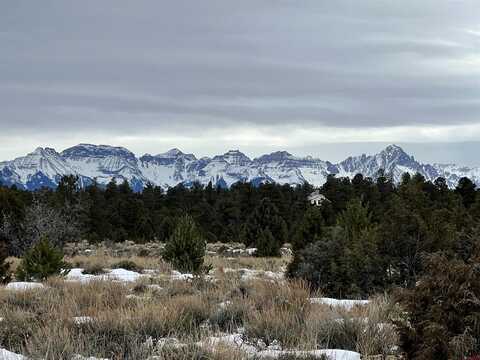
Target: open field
x=244 y=309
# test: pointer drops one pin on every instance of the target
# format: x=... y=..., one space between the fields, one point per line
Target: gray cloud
x=216 y=74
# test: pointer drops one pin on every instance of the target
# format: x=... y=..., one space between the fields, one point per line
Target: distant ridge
x=44 y=167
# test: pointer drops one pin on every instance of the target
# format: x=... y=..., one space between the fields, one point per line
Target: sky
x=325 y=78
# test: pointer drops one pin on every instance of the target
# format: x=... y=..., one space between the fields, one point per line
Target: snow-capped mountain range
x=44 y=167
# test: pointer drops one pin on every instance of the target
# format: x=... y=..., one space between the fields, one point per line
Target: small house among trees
x=317 y=199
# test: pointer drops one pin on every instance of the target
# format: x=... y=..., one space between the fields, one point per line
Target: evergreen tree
x=311 y=227
x=265 y=224
x=4 y=265
x=41 y=261
x=185 y=249
x=344 y=261
x=466 y=189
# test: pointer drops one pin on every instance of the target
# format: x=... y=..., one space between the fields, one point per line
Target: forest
x=369 y=236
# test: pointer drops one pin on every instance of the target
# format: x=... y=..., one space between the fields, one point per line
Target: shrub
x=266 y=244
x=94 y=269
x=231 y=316
x=344 y=262
x=127 y=265
x=41 y=261
x=443 y=311
x=16 y=327
x=185 y=249
x=4 y=265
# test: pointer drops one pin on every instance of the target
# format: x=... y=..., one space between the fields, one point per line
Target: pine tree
x=185 y=249
x=466 y=189
x=312 y=226
x=343 y=262
x=41 y=261
x=266 y=244
x=4 y=265
x=265 y=217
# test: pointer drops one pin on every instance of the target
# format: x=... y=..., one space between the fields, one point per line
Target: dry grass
x=253 y=263
x=128 y=318
x=109 y=262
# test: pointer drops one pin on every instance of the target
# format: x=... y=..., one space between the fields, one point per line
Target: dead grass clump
x=276 y=324
x=338 y=333
x=191 y=312
x=113 y=335
x=127 y=265
x=379 y=335
x=230 y=316
x=181 y=288
x=194 y=352
x=94 y=269
x=250 y=262
x=16 y=328
x=94 y=297
x=27 y=300
x=280 y=313
x=53 y=342
x=268 y=294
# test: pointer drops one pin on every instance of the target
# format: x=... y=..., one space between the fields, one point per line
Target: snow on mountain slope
x=166 y=169
x=284 y=168
x=45 y=167
x=104 y=163
x=41 y=168
x=392 y=160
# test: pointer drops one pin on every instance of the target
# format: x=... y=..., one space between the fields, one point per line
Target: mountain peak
x=173 y=152
x=274 y=156
x=171 y=155
x=45 y=151
x=98 y=151
x=393 y=148
x=395 y=152
x=234 y=157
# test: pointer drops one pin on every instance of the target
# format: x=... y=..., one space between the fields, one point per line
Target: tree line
x=370 y=235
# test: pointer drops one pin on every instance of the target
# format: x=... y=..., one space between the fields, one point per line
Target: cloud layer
x=209 y=75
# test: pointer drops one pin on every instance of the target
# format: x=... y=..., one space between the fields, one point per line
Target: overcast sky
x=208 y=76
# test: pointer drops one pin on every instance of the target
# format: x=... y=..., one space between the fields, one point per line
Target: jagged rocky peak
x=45 y=151
x=394 y=153
x=234 y=157
x=274 y=157
x=97 y=151
x=174 y=154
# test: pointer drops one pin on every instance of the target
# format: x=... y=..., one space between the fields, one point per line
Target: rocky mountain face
x=44 y=168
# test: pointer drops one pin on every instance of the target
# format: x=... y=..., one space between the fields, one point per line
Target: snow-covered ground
x=347 y=304
x=21 y=286
x=76 y=274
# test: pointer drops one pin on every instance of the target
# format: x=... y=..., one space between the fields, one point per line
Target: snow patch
x=22 y=286
x=79 y=320
x=347 y=304
x=8 y=355
x=76 y=274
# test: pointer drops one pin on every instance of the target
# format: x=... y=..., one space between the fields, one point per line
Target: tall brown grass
x=127 y=319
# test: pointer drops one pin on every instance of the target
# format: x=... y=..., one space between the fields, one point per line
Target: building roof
x=316 y=196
